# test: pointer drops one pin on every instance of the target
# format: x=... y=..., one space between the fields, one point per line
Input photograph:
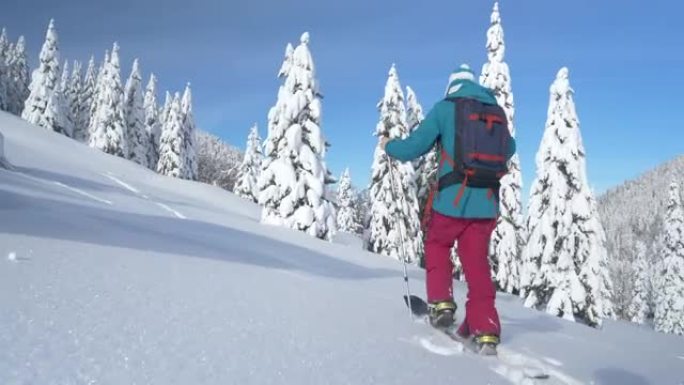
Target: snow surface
x=130 y=292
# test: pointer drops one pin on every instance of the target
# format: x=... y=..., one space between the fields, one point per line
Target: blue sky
x=625 y=61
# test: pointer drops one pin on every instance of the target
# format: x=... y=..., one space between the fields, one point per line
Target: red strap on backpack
x=461 y=190
x=489 y=118
x=434 y=189
x=427 y=212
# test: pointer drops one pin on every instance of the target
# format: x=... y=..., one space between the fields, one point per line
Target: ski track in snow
x=137 y=192
x=121 y=183
x=511 y=365
x=172 y=211
x=64 y=186
x=83 y=193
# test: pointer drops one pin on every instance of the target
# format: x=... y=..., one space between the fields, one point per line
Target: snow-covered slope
x=111 y=274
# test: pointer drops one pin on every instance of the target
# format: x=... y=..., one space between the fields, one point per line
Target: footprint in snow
x=428 y=344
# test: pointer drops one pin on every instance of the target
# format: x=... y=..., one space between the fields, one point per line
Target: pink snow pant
x=473 y=242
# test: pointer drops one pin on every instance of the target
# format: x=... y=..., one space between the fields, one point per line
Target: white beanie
x=462 y=73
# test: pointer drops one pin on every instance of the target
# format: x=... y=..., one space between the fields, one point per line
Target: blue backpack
x=481 y=147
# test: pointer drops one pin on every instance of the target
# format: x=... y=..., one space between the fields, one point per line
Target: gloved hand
x=382 y=142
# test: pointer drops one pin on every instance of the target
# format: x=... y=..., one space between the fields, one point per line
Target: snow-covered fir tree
x=189 y=136
x=107 y=130
x=669 y=297
x=5 y=45
x=508 y=237
x=171 y=162
x=73 y=102
x=565 y=262
x=595 y=271
x=164 y=110
x=5 y=80
x=347 y=220
x=64 y=79
x=623 y=275
x=292 y=184
x=43 y=107
x=19 y=77
x=136 y=134
x=425 y=166
x=67 y=106
x=4 y=42
x=394 y=210
x=640 y=306
x=362 y=208
x=101 y=69
x=94 y=105
x=152 y=123
x=86 y=101
x=250 y=168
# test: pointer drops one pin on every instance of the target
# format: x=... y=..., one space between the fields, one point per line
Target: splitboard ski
x=421 y=311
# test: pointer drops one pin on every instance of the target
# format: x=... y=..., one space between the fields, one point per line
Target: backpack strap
x=457 y=175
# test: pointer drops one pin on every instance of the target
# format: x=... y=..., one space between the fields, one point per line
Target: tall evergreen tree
x=19 y=77
x=171 y=162
x=44 y=106
x=67 y=107
x=594 y=272
x=64 y=79
x=101 y=69
x=508 y=237
x=669 y=298
x=565 y=267
x=250 y=168
x=394 y=207
x=5 y=76
x=189 y=136
x=152 y=122
x=136 y=134
x=107 y=130
x=94 y=105
x=164 y=110
x=347 y=220
x=640 y=306
x=292 y=185
x=87 y=102
x=73 y=101
x=4 y=43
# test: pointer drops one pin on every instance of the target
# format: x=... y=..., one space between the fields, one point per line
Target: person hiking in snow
x=472 y=132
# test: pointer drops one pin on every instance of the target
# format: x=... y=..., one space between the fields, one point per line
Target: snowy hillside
x=633 y=213
x=637 y=207
x=112 y=274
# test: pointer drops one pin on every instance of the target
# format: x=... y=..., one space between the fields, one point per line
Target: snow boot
x=442 y=314
x=485 y=344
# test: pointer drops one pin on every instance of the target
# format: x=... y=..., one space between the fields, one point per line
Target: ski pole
x=401 y=238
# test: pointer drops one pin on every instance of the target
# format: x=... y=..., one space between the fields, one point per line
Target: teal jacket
x=439 y=126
